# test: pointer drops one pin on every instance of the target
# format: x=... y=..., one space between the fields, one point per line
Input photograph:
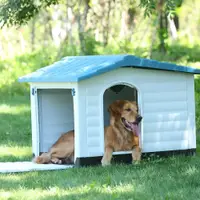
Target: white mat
x=9 y=167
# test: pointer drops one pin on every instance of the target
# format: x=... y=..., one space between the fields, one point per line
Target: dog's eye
x=128 y=109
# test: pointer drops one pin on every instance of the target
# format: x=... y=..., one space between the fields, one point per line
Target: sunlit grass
x=14 y=150
x=15 y=153
x=15 y=129
x=171 y=178
x=8 y=109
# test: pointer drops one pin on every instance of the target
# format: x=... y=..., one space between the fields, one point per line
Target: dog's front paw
x=136 y=155
x=105 y=163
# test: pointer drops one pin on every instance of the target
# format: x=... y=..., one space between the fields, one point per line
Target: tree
x=165 y=10
x=83 y=22
x=153 y=5
x=18 y=12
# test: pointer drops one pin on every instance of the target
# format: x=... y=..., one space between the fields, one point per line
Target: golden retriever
x=121 y=135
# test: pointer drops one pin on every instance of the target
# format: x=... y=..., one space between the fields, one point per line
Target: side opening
x=118 y=92
x=55 y=115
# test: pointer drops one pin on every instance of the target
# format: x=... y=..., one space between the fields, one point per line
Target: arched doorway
x=117 y=92
x=121 y=91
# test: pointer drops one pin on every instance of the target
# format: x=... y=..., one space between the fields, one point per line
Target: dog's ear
x=116 y=107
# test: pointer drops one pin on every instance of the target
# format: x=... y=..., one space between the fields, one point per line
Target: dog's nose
x=139 y=118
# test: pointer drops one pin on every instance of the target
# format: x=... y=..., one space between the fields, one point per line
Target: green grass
x=15 y=129
x=170 y=178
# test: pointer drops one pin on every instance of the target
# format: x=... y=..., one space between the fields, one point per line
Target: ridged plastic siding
x=168 y=113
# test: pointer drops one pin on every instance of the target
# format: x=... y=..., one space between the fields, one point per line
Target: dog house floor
x=10 y=167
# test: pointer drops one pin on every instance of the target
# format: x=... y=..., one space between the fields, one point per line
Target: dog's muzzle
x=133 y=126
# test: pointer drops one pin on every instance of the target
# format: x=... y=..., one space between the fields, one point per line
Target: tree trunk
x=33 y=34
x=22 y=41
x=162 y=30
x=124 y=24
x=107 y=25
x=68 y=24
x=131 y=21
x=82 y=21
x=174 y=23
x=153 y=37
x=172 y=27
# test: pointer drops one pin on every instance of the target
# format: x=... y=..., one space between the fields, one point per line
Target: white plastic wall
x=52 y=113
x=56 y=115
x=166 y=101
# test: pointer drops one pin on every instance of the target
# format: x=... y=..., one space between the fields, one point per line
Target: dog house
x=74 y=94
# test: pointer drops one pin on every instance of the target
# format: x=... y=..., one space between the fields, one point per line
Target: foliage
x=18 y=12
x=64 y=25
x=197 y=100
x=149 y=6
x=153 y=6
x=12 y=69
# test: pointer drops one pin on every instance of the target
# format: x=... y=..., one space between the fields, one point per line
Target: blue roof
x=76 y=68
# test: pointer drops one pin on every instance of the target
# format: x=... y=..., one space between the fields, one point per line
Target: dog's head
x=126 y=113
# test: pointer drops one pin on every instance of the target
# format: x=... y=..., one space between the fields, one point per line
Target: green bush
x=197 y=102
x=12 y=69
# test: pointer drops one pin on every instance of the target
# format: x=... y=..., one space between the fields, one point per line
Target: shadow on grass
x=14 y=89
x=15 y=129
x=15 y=100
x=173 y=178
x=15 y=125
x=16 y=158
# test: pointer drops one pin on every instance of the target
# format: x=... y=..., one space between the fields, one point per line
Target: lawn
x=15 y=128
x=169 y=178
